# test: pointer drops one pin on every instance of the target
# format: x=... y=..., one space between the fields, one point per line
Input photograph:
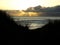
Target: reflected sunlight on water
x=33 y=24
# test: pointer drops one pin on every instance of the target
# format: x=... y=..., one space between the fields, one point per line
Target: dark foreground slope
x=7 y=23
x=11 y=33
x=8 y=28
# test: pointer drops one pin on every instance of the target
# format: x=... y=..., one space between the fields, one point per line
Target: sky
x=24 y=4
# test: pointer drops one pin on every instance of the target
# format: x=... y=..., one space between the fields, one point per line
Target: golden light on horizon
x=22 y=13
x=24 y=4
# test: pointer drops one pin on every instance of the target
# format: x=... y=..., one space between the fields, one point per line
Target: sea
x=34 y=22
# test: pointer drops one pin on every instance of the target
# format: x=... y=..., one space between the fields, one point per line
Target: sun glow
x=22 y=13
x=24 y=4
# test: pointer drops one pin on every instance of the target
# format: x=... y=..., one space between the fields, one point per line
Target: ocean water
x=33 y=22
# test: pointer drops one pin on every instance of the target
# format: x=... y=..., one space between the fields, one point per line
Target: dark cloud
x=49 y=11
